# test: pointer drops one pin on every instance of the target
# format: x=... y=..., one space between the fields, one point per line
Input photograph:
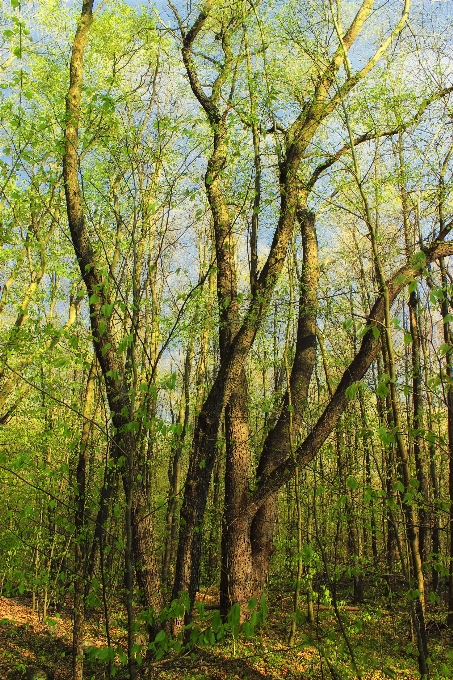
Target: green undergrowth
x=255 y=649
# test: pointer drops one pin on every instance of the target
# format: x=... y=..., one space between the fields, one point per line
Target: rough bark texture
x=419 y=454
x=144 y=551
x=277 y=444
x=228 y=379
x=367 y=352
x=110 y=361
x=236 y=582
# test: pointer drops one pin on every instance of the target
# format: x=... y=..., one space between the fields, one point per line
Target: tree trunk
x=236 y=582
x=277 y=444
x=449 y=391
x=116 y=373
x=80 y=543
x=174 y=472
x=420 y=463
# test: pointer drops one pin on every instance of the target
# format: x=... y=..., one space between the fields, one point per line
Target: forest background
x=225 y=332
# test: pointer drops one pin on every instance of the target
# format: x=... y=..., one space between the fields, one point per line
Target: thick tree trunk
x=145 y=555
x=298 y=137
x=236 y=583
x=139 y=543
x=277 y=444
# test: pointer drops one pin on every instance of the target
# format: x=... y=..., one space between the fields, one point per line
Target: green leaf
x=438 y=294
x=94 y=299
x=125 y=342
x=307 y=553
x=252 y=604
x=376 y=332
x=234 y=617
x=176 y=428
x=382 y=390
x=121 y=655
x=444 y=349
x=246 y=629
x=106 y=348
x=351 y=483
x=419 y=260
x=61 y=362
x=407 y=338
x=171 y=382
x=105 y=654
x=161 y=636
x=216 y=621
x=107 y=310
x=386 y=436
x=434 y=597
x=352 y=390
x=448 y=318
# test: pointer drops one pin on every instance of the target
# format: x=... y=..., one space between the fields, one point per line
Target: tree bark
x=298 y=137
x=449 y=391
x=80 y=543
x=419 y=456
x=115 y=373
x=277 y=443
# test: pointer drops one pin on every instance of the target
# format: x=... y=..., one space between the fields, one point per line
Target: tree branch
x=368 y=351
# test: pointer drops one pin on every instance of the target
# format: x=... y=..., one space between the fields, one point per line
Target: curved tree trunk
x=139 y=532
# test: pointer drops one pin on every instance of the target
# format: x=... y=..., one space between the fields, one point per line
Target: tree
x=255 y=198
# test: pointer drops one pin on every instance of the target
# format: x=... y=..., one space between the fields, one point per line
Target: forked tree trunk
x=228 y=379
x=277 y=444
x=247 y=547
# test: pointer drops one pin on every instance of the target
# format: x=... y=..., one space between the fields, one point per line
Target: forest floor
x=375 y=636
